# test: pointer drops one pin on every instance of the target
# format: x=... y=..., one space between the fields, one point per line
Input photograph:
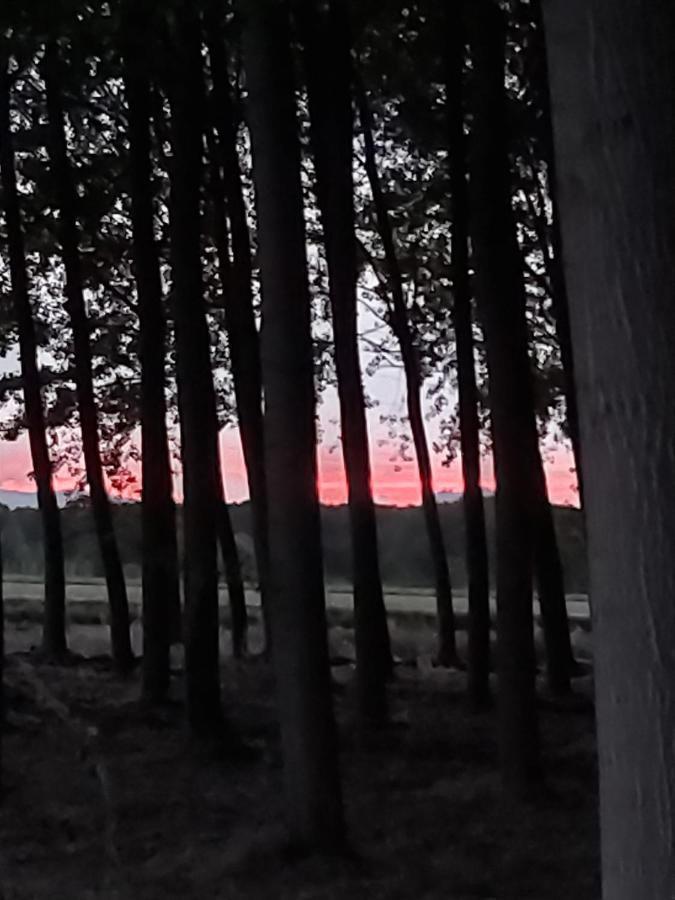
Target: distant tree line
x=404 y=552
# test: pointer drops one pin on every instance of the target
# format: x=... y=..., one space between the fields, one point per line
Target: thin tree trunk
x=473 y=507
x=612 y=72
x=54 y=623
x=557 y=277
x=67 y=201
x=161 y=591
x=297 y=606
x=196 y=395
x=551 y=589
x=243 y=338
x=447 y=649
x=501 y=301
x=328 y=63
x=232 y=565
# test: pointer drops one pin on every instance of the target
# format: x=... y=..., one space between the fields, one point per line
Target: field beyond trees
x=404 y=548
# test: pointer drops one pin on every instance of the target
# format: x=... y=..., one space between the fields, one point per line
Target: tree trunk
x=54 y=622
x=473 y=508
x=328 y=64
x=67 y=201
x=232 y=566
x=557 y=278
x=297 y=605
x=551 y=589
x=242 y=333
x=196 y=395
x=161 y=592
x=447 y=649
x=501 y=300
x=612 y=74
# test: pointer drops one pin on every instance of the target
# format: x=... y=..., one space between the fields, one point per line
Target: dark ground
x=104 y=800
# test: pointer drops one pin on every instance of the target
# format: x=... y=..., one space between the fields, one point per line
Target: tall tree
x=398 y=317
x=612 y=73
x=469 y=425
x=554 y=259
x=196 y=395
x=160 y=562
x=236 y=275
x=297 y=605
x=328 y=64
x=66 y=196
x=54 y=624
x=501 y=300
x=546 y=563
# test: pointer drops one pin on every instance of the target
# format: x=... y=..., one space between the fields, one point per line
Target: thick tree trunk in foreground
x=474 y=511
x=54 y=618
x=447 y=649
x=328 y=63
x=297 y=607
x=161 y=593
x=67 y=201
x=501 y=300
x=242 y=332
x=196 y=396
x=613 y=90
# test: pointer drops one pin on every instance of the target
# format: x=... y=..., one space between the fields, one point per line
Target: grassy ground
x=105 y=800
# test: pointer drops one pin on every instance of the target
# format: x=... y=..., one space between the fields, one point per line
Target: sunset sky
x=394 y=480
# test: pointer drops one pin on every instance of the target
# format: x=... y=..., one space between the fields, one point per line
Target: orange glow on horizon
x=394 y=481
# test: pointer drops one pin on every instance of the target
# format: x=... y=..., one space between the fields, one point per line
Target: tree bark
x=328 y=64
x=196 y=395
x=67 y=201
x=161 y=591
x=447 y=648
x=473 y=507
x=297 y=606
x=242 y=332
x=54 y=618
x=612 y=73
x=501 y=300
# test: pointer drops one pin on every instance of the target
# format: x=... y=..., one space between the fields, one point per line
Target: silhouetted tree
x=297 y=609
x=66 y=197
x=196 y=395
x=161 y=591
x=328 y=65
x=242 y=332
x=398 y=319
x=501 y=301
x=54 y=626
x=469 y=425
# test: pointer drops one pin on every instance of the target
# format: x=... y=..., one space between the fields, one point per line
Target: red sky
x=393 y=482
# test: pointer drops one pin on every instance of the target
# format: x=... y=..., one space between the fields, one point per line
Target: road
x=399 y=600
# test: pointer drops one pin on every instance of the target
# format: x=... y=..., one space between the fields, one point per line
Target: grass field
x=107 y=800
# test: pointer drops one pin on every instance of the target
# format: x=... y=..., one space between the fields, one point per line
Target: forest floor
x=104 y=799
